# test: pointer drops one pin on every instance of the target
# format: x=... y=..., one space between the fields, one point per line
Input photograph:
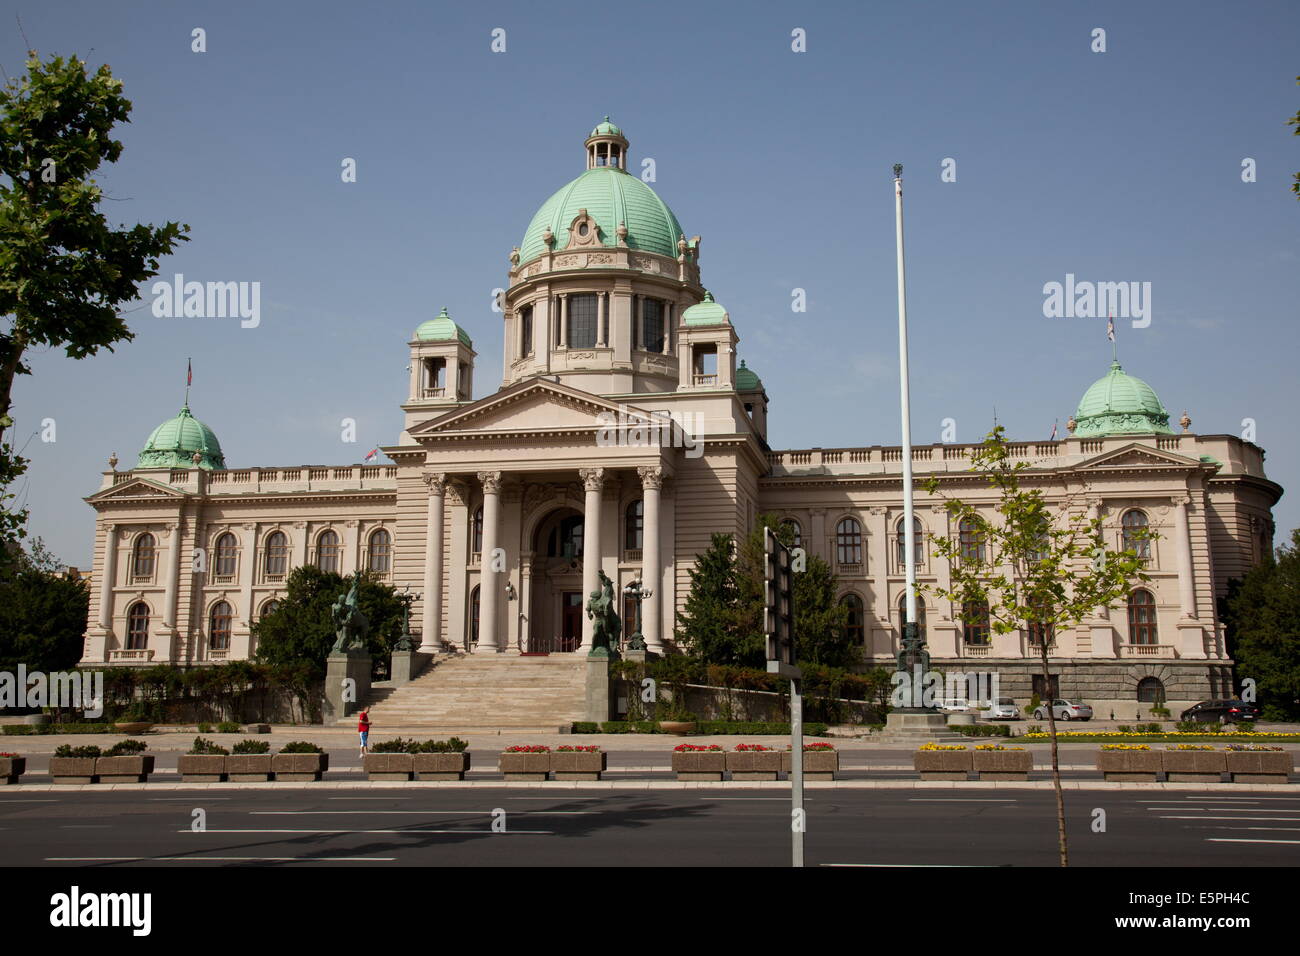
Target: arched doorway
x=556 y=602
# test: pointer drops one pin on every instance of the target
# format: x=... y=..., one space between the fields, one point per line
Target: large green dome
x=173 y=444
x=610 y=196
x=1120 y=404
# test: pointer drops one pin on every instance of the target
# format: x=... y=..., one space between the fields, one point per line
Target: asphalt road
x=438 y=827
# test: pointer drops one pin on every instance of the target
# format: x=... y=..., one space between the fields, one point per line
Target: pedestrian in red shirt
x=363 y=728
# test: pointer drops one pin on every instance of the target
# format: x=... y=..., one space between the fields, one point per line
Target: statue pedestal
x=641 y=655
x=598 y=696
x=408 y=665
x=347 y=684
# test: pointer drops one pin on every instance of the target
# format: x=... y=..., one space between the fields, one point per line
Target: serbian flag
x=1110 y=327
x=1053 y=438
x=374 y=453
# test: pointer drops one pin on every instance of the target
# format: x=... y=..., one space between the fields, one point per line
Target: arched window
x=1142 y=617
x=270 y=607
x=918 y=543
x=1041 y=630
x=796 y=532
x=380 y=551
x=143 y=562
x=975 y=620
x=473 y=616
x=848 y=541
x=920 y=614
x=477 y=531
x=328 y=551
x=219 y=626
x=855 y=624
x=634 y=535
x=227 y=553
x=1135 y=524
x=137 y=628
x=277 y=554
x=1151 y=690
x=565 y=539
x=970 y=540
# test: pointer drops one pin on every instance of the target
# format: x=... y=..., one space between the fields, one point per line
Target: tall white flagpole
x=909 y=533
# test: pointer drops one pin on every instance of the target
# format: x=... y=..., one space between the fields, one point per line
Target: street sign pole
x=797 y=814
x=778 y=621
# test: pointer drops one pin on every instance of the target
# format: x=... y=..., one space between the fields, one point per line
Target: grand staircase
x=483 y=693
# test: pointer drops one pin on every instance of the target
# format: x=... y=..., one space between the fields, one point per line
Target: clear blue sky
x=1123 y=165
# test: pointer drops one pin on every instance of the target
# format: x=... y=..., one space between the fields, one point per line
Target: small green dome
x=707 y=312
x=173 y=444
x=1120 y=404
x=746 y=380
x=606 y=128
x=442 y=329
x=612 y=197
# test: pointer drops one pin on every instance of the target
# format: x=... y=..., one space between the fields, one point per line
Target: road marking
x=347 y=813
x=368 y=798
x=966 y=800
x=409 y=830
x=8 y=800
x=84 y=826
x=1239 y=819
x=1234 y=808
x=930 y=866
x=1244 y=840
x=206 y=799
x=219 y=859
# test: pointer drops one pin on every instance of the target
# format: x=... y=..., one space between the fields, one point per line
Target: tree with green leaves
x=301 y=628
x=64 y=271
x=707 y=625
x=1261 y=614
x=42 y=613
x=1030 y=567
x=1295 y=121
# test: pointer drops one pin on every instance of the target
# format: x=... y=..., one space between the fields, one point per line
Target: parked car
x=954 y=705
x=1222 y=711
x=1064 y=710
x=1004 y=708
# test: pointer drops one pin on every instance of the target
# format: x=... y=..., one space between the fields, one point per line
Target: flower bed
x=995 y=762
x=12 y=767
x=1132 y=762
x=1194 y=763
x=754 y=762
x=699 y=762
x=574 y=762
x=942 y=761
x=820 y=761
x=531 y=762
x=1248 y=763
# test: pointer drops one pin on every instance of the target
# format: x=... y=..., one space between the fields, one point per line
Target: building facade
x=625 y=433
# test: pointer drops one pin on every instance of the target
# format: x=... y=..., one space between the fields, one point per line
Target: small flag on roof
x=374 y=453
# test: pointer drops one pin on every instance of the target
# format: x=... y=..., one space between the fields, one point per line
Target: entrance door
x=570 y=621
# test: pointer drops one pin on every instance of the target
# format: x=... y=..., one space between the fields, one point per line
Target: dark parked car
x=1221 y=711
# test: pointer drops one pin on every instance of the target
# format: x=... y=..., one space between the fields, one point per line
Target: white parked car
x=953 y=705
x=1064 y=710
x=1004 y=708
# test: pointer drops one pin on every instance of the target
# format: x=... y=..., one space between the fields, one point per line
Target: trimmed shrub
x=126 y=748
x=251 y=747
x=202 y=746
x=228 y=727
x=67 y=750
x=300 y=747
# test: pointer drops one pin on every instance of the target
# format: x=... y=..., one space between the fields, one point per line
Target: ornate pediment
x=534 y=407
x=136 y=489
x=1138 y=456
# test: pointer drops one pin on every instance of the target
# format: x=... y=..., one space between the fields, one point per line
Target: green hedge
x=21 y=730
x=702 y=727
x=982 y=730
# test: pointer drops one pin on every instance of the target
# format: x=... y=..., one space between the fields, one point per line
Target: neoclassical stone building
x=624 y=434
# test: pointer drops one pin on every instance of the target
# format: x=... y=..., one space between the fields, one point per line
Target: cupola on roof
x=747 y=380
x=707 y=312
x=609 y=195
x=1120 y=404
x=174 y=443
x=442 y=329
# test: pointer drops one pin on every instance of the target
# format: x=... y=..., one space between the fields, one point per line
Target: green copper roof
x=173 y=444
x=707 y=312
x=610 y=196
x=606 y=129
x=442 y=329
x=1120 y=404
x=746 y=380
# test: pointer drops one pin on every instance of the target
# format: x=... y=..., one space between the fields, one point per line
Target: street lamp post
x=638 y=593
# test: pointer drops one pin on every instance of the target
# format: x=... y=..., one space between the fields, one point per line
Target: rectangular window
x=654 y=325
x=582 y=321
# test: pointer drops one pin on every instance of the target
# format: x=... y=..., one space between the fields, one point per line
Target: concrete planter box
x=699 y=764
x=942 y=764
x=248 y=768
x=1194 y=766
x=1002 y=764
x=299 y=768
x=389 y=766
x=11 y=768
x=817 y=764
x=1131 y=765
x=73 y=769
x=133 y=769
x=521 y=766
x=449 y=766
x=1263 y=766
x=202 y=768
x=577 y=765
x=754 y=764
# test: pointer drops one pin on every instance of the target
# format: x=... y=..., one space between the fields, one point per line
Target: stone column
x=602 y=314
x=489 y=639
x=593 y=483
x=351 y=541
x=638 y=323
x=173 y=575
x=431 y=624
x=564 y=321
x=651 y=481
x=669 y=309
x=108 y=578
x=1183 y=545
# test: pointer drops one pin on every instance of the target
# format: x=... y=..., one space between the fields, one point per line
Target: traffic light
x=778 y=600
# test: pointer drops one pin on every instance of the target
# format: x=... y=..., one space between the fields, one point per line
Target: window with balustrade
x=920 y=614
x=634 y=526
x=970 y=540
x=219 y=626
x=328 y=551
x=227 y=557
x=143 y=558
x=379 y=552
x=583 y=314
x=855 y=622
x=277 y=555
x=137 y=627
x=1142 y=617
x=1135 y=524
x=848 y=541
x=918 y=543
x=975 y=622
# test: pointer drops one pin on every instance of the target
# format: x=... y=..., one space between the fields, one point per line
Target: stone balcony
x=1130 y=651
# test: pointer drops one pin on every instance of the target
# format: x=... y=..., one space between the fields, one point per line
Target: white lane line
x=1233 y=808
x=1281 y=829
x=206 y=799
x=5 y=800
x=965 y=800
x=910 y=866
x=368 y=798
x=1244 y=840
x=219 y=859
x=1239 y=819
x=414 y=831
x=1253 y=798
x=85 y=826
x=427 y=813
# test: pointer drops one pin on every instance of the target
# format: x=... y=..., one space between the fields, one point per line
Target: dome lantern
x=606 y=147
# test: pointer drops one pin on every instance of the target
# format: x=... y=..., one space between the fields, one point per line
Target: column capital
x=435 y=482
x=593 y=479
x=1181 y=501
x=651 y=476
x=491 y=481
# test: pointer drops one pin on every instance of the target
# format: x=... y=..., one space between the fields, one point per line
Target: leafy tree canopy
x=42 y=613
x=1262 y=617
